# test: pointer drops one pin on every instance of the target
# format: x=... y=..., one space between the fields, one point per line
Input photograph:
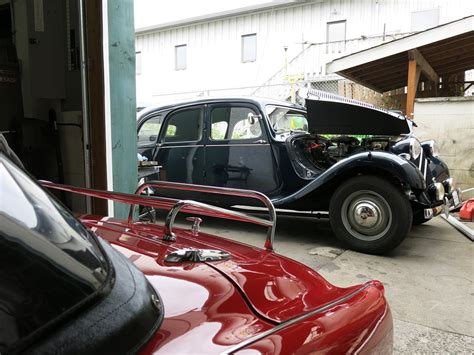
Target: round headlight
x=415 y=148
x=434 y=148
x=439 y=191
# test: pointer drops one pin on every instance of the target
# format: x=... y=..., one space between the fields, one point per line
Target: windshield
x=50 y=264
x=286 y=119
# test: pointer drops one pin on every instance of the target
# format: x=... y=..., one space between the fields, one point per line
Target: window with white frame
x=180 y=56
x=249 y=48
x=336 y=37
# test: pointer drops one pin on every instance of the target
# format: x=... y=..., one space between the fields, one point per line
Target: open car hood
x=336 y=115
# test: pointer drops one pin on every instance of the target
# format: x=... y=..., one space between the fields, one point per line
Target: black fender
x=387 y=163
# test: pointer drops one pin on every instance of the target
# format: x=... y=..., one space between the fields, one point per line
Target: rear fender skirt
x=388 y=163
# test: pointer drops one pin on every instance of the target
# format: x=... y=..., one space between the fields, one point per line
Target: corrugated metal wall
x=214 y=47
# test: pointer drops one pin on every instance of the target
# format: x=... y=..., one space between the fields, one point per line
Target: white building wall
x=214 y=46
x=450 y=122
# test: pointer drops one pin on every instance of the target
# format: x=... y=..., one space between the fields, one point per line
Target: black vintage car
x=361 y=163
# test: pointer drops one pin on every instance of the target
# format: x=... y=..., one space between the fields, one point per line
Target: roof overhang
x=447 y=49
x=215 y=16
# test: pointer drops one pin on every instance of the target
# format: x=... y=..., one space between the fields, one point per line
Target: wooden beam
x=383 y=71
x=452 y=42
x=425 y=67
x=449 y=53
x=95 y=90
x=466 y=61
x=412 y=85
x=394 y=86
x=380 y=79
x=455 y=69
x=377 y=63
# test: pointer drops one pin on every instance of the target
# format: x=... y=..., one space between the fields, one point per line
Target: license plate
x=455 y=198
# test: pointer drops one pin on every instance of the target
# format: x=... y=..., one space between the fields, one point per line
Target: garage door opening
x=42 y=91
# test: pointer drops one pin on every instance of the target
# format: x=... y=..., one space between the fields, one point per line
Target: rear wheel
x=370 y=214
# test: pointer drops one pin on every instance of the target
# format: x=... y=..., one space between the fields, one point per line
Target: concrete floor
x=428 y=279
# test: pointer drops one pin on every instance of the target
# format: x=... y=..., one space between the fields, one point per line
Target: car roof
x=259 y=101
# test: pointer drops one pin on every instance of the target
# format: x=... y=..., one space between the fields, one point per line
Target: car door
x=179 y=147
x=238 y=153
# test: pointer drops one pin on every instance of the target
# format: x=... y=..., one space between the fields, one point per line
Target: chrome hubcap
x=366 y=215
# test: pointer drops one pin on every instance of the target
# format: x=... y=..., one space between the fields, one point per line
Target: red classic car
x=101 y=285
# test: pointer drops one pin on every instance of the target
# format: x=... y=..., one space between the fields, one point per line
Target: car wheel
x=370 y=214
x=419 y=218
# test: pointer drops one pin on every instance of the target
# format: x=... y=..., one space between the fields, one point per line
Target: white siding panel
x=214 y=47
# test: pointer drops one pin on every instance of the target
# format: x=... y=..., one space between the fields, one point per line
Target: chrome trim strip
x=426 y=166
x=282 y=210
x=219 y=191
x=292 y=321
x=421 y=159
x=238 y=145
x=181 y=146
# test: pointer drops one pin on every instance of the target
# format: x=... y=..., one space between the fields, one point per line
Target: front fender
x=388 y=163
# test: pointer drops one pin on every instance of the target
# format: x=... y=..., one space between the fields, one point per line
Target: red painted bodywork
x=213 y=307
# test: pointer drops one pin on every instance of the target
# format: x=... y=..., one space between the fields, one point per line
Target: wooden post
x=417 y=64
x=412 y=85
x=95 y=83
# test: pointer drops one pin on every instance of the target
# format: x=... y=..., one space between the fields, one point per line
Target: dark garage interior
x=44 y=92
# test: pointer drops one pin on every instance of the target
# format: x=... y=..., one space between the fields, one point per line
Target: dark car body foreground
x=107 y=286
x=308 y=158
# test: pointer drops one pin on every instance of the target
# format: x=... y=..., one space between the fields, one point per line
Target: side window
x=336 y=37
x=234 y=123
x=249 y=48
x=184 y=126
x=219 y=130
x=149 y=130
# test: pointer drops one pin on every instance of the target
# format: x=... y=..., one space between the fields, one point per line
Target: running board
x=284 y=212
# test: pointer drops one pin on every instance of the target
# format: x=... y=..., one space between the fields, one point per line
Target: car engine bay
x=323 y=152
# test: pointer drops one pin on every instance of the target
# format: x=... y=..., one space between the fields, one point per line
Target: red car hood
x=274 y=287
